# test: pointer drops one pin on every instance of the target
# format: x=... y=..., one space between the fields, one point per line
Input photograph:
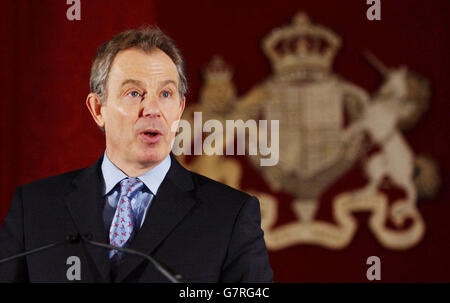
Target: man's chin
x=152 y=158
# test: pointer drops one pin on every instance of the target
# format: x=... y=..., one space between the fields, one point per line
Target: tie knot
x=130 y=186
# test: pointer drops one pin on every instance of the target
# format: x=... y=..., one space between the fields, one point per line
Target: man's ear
x=182 y=105
x=94 y=104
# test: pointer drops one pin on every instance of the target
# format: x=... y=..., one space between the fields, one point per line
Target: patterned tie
x=124 y=221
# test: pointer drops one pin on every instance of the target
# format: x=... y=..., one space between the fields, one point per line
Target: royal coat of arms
x=326 y=125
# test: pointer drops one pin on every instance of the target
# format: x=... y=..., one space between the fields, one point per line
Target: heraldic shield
x=324 y=122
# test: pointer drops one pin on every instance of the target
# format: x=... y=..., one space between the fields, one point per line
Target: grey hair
x=146 y=39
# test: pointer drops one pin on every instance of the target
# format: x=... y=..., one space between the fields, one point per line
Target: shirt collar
x=152 y=178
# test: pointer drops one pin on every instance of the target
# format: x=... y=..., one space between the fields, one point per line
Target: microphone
x=166 y=271
x=71 y=239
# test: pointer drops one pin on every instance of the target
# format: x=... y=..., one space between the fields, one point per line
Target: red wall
x=46 y=129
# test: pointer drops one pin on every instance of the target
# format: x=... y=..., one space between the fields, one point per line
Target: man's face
x=142 y=103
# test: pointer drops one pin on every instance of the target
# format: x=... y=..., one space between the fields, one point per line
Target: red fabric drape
x=414 y=33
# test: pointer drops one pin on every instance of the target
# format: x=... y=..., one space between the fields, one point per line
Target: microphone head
x=73 y=238
x=87 y=236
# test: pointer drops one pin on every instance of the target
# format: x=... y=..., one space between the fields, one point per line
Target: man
x=136 y=195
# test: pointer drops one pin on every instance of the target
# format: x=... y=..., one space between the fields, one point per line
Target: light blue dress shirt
x=112 y=176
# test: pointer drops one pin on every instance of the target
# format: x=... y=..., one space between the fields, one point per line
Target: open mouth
x=151 y=134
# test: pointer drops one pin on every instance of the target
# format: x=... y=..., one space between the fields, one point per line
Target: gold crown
x=301 y=46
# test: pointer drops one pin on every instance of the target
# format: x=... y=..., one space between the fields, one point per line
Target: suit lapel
x=169 y=206
x=86 y=204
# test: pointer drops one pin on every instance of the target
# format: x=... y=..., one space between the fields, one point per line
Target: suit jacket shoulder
x=217 y=193
x=50 y=186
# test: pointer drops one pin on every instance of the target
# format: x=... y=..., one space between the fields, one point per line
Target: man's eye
x=166 y=94
x=134 y=94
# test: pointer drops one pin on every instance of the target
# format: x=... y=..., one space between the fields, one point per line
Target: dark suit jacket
x=204 y=230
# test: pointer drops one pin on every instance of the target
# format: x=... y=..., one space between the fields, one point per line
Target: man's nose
x=150 y=106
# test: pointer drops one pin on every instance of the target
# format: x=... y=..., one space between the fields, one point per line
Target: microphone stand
x=69 y=239
x=74 y=238
x=165 y=270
